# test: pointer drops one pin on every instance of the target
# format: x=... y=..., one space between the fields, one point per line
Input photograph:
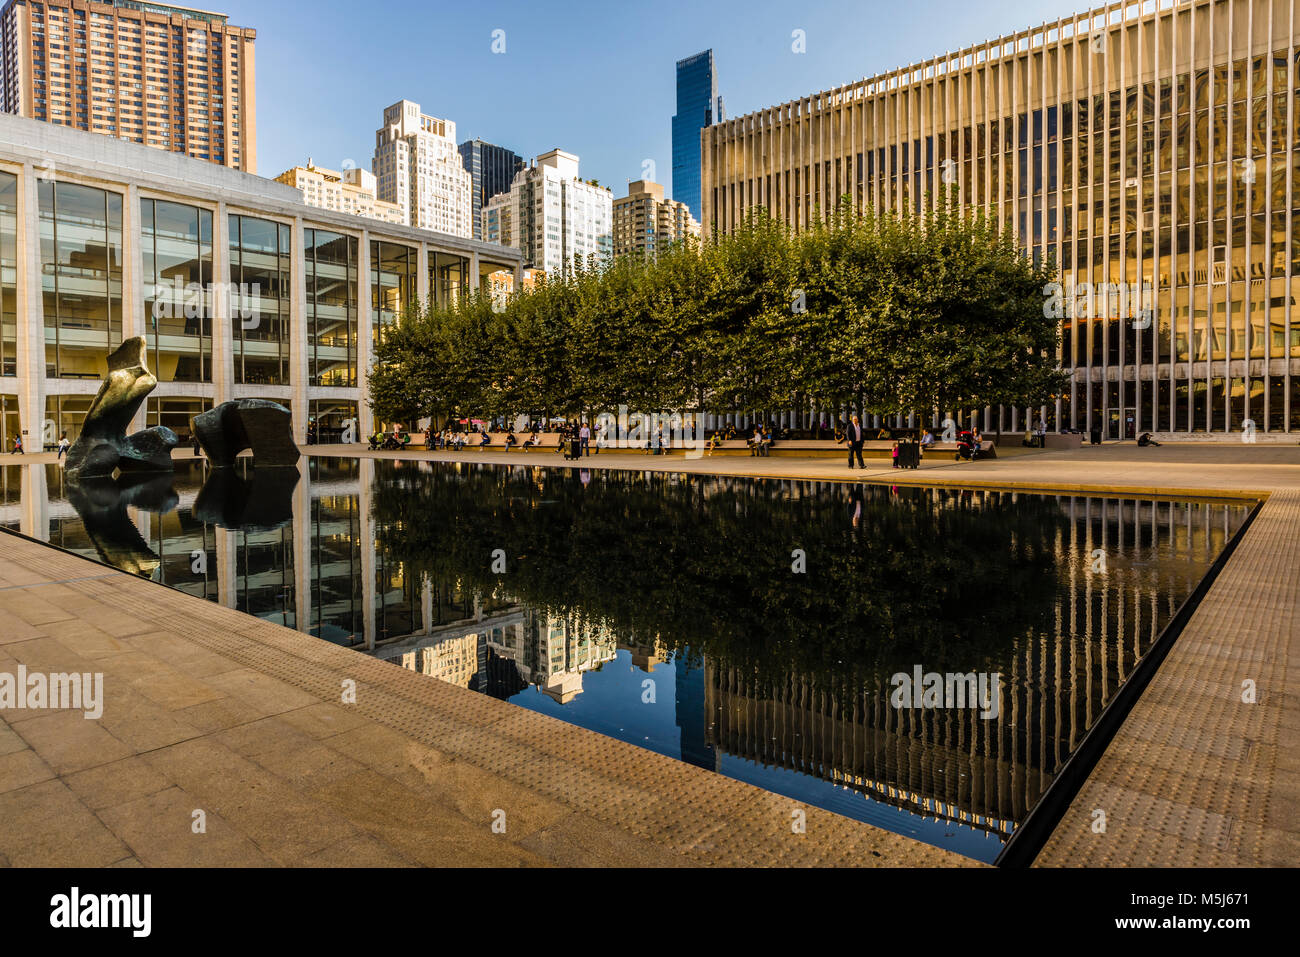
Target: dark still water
x=761 y=629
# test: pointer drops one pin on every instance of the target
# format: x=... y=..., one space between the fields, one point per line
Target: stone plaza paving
x=209 y=709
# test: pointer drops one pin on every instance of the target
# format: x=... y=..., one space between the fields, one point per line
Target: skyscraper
x=698 y=106
x=416 y=165
x=169 y=77
x=492 y=169
x=552 y=216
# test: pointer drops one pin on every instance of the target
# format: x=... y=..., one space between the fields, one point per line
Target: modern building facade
x=553 y=217
x=417 y=166
x=351 y=191
x=492 y=169
x=239 y=288
x=645 y=222
x=166 y=76
x=698 y=107
x=1149 y=148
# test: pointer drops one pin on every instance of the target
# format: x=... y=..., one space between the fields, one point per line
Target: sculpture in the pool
x=261 y=425
x=104 y=448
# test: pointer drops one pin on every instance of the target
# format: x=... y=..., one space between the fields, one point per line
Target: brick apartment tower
x=170 y=77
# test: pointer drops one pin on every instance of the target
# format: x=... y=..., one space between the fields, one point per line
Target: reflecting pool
x=921 y=659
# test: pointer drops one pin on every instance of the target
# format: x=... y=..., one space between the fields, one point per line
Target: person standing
x=63 y=445
x=18 y=445
x=854 y=436
x=584 y=434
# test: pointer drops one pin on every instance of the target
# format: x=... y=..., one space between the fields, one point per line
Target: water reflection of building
x=645 y=655
x=503 y=652
x=953 y=764
x=328 y=572
x=553 y=652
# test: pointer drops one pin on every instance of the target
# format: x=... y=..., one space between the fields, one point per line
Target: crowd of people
x=577 y=439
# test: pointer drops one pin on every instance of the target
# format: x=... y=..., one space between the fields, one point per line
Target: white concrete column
x=422 y=290
x=365 y=339
x=302 y=546
x=30 y=351
x=367 y=478
x=227 y=582
x=299 y=370
x=472 y=278
x=223 y=330
x=35 y=504
x=133 y=323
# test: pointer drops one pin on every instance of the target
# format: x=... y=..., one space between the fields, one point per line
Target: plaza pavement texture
x=207 y=708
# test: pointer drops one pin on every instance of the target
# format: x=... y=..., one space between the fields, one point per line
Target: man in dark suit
x=854 y=435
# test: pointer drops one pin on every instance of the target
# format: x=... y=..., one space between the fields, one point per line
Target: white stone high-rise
x=552 y=216
x=418 y=167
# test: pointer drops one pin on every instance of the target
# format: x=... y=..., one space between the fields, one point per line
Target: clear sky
x=594 y=78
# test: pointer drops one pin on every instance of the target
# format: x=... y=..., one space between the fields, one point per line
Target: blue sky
x=594 y=78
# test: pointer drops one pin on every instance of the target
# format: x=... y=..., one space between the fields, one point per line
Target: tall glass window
x=8 y=274
x=81 y=278
x=392 y=283
x=332 y=421
x=10 y=424
x=176 y=243
x=259 y=270
x=331 y=264
x=175 y=413
x=447 y=277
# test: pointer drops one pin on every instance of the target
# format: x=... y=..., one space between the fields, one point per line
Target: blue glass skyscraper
x=698 y=106
x=492 y=169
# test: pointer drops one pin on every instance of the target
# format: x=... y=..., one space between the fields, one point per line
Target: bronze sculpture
x=257 y=424
x=104 y=448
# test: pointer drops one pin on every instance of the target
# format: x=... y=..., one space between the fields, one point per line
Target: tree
x=891 y=313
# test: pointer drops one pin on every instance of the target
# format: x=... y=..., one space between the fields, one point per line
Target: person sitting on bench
x=486 y=441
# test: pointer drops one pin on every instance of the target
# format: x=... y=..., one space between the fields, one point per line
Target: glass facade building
x=1147 y=147
x=698 y=106
x=259 y=270
x=81 y=277
x=492 y=169
x=330 y=260
x=176 y=246
x=238 y=288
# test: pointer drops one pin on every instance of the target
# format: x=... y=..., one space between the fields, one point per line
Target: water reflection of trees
x=894 y=576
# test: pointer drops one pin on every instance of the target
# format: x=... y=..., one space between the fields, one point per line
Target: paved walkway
x=208 y=709
x=1184 y=469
